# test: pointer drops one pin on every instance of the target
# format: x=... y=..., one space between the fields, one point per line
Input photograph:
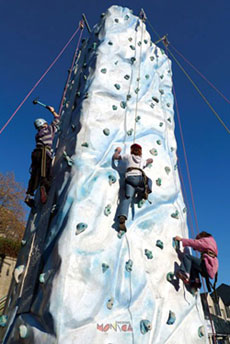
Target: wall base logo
x=118 y=326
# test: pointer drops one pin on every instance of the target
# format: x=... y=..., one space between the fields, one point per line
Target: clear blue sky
x=32 y=34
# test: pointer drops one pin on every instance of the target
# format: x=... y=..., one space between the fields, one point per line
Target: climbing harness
x=147 y=182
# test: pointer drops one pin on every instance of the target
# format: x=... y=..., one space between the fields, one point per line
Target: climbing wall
x=88 y=284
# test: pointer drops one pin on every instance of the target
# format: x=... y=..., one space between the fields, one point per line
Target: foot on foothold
x=122 y=226
x=182 y=275
x=29 y=201
x=43 y=194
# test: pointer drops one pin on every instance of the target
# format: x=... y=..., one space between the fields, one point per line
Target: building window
x=217 y=309
x=227 y=311
x=211 y=309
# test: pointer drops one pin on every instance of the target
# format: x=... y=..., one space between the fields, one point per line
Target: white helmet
x=39 y=122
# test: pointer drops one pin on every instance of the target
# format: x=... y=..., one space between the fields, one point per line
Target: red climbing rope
x=41 y=78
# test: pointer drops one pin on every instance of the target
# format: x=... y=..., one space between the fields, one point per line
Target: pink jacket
x=202 y=245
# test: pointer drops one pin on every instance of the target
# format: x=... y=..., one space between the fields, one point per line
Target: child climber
x=206 y=265
x=134 y=178
x=42 y=158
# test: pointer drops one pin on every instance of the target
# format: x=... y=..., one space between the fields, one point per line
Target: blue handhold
x=106 y=131
x=132 y=60
x=148 y=254
x=3 y=320
x=112 y=179
x=23 y=331
x=107 y=210
x=175 y=215
x=176 y=244
x=123 y=105
x=110 y=303
x=129 y=265
x=105 y=267
x=126 y=17
x=160 y=244
x=69 y=161
x=130 y=132
x=114 y=107
x=141 y=203
x=103 y=70
x=117 y=86
x=171 y=318
x=145 y=326
x=81 y=227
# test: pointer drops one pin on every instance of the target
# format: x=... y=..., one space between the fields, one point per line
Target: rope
x=81 y=25
x=203 y=77
x=41 y=78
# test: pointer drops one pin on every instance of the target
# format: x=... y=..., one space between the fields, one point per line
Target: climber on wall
x=42 y=158
x=206 y=265
x=135 y=179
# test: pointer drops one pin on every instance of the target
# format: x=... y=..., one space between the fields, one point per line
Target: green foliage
x=9 y=247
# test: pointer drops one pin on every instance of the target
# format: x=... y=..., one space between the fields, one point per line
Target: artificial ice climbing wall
x=78 y=280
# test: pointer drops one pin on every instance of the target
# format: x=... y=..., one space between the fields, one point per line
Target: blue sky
x=33 y=33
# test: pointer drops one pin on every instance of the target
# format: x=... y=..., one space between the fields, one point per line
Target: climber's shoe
x=122 y=226
x=183 y=276
x=43 y=194
x=29 y=201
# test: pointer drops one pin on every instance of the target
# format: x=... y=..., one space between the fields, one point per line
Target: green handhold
x=160 y=244
x=167 y=169
x=81 y=227
x=169 y=120
x=129 y=265
x=159 y=142
x=148 y=254
x=85 y=144
x=147 y=76
x=23 y=331
x=155 y=99
x=168 y=104
x=153 y=151
x=126 y=77
x=126 y=17
x=42 y=278
x=103 y=70
x=132 y=47
x=161 y=124
x=121 y=234
x=69 y=161
x=114 y=107
x=145 y=41
x=141 y=203
x=137 y=118
x=107 y=210
x=78 y=94
x=152 y=58
x=110 y=303
x=130 y=39
x=85 y=77
x=123 y=105
x=110 y=43
x=23 y=242
x=105 y=267
x=3 y=320
x=170 y=276
x=112 y=179
x=161 y=76
x=175 y=215
x=132 y=60
x=152 y=105
x=137 y=90
x=158 y=182
x=116 y=20
x=106 y=131
x=128 y=96
x=145 y=326
x=139 y=43
x=171 y=318
x=130 y=132
x=201 y=331
x=117 y=86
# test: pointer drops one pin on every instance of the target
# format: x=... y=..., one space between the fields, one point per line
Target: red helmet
x=136 y=145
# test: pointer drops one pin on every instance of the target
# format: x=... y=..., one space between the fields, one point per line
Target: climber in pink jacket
x=206 y=265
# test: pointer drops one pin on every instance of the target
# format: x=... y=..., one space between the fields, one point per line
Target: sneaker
x=43 y=194
x=183 y=276
x=122 y=226
x=29 y=201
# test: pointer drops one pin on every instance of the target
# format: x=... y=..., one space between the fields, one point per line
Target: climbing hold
x=170 y=276
x=126 y=17
x=120 y=234
x=103 y=70
x=155 y=99
x=161 y=124
x=167 y=169
x=147 y=76
x=162 y=76
x=152 y=58
x=110 y=303
x=106 y=131
x=81 y=227
x=3 y=320
x=172 y=149
x=138 y=79
x=85 y=77
x=132 y=60
x=130 y=39
x=145 y=326
x=175 y=215
x=145 y=41
x=139 y=43
x=141 y=203
x=73 y=127
x=162 y=51
x=201 y=331
x=85 y=144
x=153 y=151
x=116 y=20
x=126 y=77
x=23 y=331
x=169 y=120
x=117 y=86
x=78 y=94
x=94 y=46
x=112 y=179
x=129 y=265
x=137 y=90
x=116 y=62
x=130 y=132
x=102 y=15
x=161 y=91
x=105 y=267
x=123 y=105
x=128 y=96
x=137 y=118
x=18 y=272
x=176 y=244
x=152 y=105
x=84 y=65
x=171 y=318
x=159 y=142
x=184 y=210
x=114 y=107
x=160 y=244
x=69 y=161
x=23 y=242
x=132 y=47
x=42 y=278
x=148 y=254
x=107 y=210
x=110 y=43
x=168 y=104
x=158 y=182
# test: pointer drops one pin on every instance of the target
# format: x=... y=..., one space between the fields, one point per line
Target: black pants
x=35 y=171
